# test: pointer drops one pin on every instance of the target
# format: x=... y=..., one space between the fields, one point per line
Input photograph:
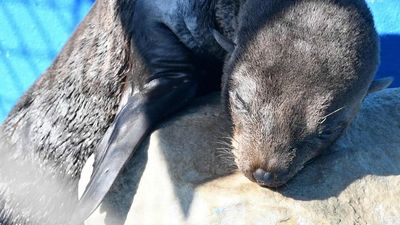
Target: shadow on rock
x=196 y=148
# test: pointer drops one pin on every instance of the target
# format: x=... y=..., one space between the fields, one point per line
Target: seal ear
x=380 y=84
x=224 y=42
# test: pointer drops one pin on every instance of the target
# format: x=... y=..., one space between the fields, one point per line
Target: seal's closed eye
x=240 y=104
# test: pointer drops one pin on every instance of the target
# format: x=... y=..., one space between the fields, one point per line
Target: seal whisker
x=323 y=119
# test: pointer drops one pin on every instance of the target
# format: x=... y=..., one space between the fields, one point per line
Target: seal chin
x=267 y=179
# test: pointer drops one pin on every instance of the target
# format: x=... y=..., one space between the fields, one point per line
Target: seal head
x=294 y=81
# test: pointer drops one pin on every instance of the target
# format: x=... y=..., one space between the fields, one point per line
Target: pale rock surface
x=180 y=177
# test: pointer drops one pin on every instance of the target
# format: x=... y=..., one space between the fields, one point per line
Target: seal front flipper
x=132 y=125
x=143 y=111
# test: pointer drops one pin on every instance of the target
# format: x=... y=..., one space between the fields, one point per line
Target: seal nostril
x=263 y=178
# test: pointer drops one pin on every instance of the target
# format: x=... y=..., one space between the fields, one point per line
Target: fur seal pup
x=292 y=66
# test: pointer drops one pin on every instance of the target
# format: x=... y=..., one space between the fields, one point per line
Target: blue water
x=33 y=31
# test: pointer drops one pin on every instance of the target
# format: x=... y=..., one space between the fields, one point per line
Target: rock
x=180 y=176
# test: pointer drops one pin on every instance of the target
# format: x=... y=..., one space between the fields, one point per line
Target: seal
x=294 y=75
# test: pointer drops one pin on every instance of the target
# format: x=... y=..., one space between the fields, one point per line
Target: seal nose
x=264 y=178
